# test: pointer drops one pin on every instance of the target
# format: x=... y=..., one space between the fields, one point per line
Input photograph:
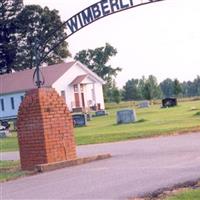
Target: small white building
x=80 y=87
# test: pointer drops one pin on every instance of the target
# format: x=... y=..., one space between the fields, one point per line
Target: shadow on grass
x=136 y=122
x=197 y=114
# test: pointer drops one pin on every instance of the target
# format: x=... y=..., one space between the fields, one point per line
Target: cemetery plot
x=150 y=122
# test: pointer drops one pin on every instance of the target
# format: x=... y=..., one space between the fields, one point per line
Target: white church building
x=80 y=87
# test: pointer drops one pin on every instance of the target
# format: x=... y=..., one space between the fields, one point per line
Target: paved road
x=136 y=167
x=9 y=156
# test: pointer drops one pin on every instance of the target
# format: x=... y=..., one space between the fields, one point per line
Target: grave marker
x=169 y=102
x=126 y=116
x=100 y=113
x=144 y=104
x=79 y=119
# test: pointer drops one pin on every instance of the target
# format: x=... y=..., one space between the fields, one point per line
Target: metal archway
x=82 y=19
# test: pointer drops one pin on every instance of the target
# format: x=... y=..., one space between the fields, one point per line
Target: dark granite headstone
x=126 y=116
x=169 y=102
x=4 y=129
x=4 y=125
x=79 y=119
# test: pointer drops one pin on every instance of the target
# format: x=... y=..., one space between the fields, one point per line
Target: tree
x=177 y=87
x=167 y=87
x=97 y=60
x=151 y=89
x=112 y=93
x=197 y=85
x=131 y=90
x=34 y=24
x=116 y=95
x=9 y=9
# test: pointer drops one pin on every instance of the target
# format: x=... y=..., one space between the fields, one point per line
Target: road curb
x=58 y=165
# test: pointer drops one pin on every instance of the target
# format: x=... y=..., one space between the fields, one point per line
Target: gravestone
x=169 y=102
x=126 y=116
x=76 y=110
x=4 y=125
x=144 y=104
x=89 y=116
x=45 y=129
x=4 y=129
x=100 y=113
x=79 y=119
x=3 y=134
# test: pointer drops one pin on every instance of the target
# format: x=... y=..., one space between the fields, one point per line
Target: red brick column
x=45 y=129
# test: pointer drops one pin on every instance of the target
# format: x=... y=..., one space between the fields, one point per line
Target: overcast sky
x=162 y=38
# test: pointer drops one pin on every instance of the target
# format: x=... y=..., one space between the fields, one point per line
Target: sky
x=162 y=39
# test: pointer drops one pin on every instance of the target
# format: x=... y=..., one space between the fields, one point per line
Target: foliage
x=143 y=88
x=185 y=89
x=34 y=27
x=132 y=90
x=167 y=87
x=116 y=95
x=191 y=88
x=22 y=28
x=177 y=87
x=151 y=89
x=8 y=40
x=197 y=114
x=136 y=89
x=111 y=93
x=97 y=60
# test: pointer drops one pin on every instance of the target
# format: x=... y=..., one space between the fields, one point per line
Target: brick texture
x=45 y=129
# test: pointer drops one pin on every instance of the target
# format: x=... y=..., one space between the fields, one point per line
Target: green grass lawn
x=188 y=195
x=10 y=170
x=9 y=143
x=151 y=122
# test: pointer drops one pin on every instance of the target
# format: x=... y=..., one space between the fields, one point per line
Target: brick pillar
x=45 y=129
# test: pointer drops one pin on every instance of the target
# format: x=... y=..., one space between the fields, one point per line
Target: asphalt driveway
x=137 y=167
